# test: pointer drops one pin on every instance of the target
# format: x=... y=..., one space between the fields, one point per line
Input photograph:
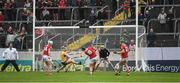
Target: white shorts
x=46 y=58
x=124 y=59
x=94 y=59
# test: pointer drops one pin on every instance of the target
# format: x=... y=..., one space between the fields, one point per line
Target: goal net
x=74 y=38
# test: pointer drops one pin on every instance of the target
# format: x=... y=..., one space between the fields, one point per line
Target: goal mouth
x=76 y=37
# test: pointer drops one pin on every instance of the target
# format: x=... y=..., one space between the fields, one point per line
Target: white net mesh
x=141 y=61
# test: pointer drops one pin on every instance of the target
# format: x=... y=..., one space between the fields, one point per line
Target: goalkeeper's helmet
x=123 y=40
x=63 y=48
x=50 y=42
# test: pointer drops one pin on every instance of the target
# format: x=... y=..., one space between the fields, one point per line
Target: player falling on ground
x=124 y=57
x=47 y=58
x=91 y=53
x=65 y=59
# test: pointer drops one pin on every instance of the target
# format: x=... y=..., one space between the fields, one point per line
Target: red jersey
x=61 y=4
x=90 y=52
x=46 y=50
x=125 y=48
x=125 y=6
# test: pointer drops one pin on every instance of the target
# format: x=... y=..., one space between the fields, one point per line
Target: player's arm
x=4 y=53
x=107 y=51
x=120 y=52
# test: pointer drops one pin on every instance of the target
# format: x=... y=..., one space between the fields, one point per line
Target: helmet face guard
x=123 y=40
x=50 y=42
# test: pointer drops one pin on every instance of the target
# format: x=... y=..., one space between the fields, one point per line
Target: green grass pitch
x=85 y=77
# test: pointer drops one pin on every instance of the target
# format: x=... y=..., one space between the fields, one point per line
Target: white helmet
x=50 y=42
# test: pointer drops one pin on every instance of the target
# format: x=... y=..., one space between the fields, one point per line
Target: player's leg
x=13 y=62
x=5 y=65
x=96 y=66
x=69 y=63
x=45 y=63
x=49 y=64
x=91 y=68
x=118 y=71
x=68 y=66
x=70 y=60
x=127 y=67
x=64 y=64
x=121 y=63
x=92 y=65
x=45 y=67
x=128 y=71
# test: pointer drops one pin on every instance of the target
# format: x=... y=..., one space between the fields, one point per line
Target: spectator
x=30 y=16
x=92 y=17
x=162 y=2
x=170 y=22
x=133 y=8
x=114 y=6
x=125 y=6
x=2 y=38
x=21 y=39
x=24 y=14
x=141 y=19
x=80 y=4
x=27 y=4
x=73 y=3
x=171 y=2
x=49 y=3
x=8 y=10
x=102 y=15
x=1 y=19
x=143 y=3
x=61 y=6
x=151 y=38
x=46 y=14
x=13 y=10
x=147 y=17
x=10 y=35
x=55 y=11
x=45 y=3
x=99 y=2
x=93 y=2
x=86 y=3
x=162 y=20
x=1 y=3
x=151 y=2
x=68 y=2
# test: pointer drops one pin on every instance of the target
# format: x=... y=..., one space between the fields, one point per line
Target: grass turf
x=85 y=77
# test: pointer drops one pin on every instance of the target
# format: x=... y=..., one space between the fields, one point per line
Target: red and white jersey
x=90 y=52
x=125 y=48
x=47 y=49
